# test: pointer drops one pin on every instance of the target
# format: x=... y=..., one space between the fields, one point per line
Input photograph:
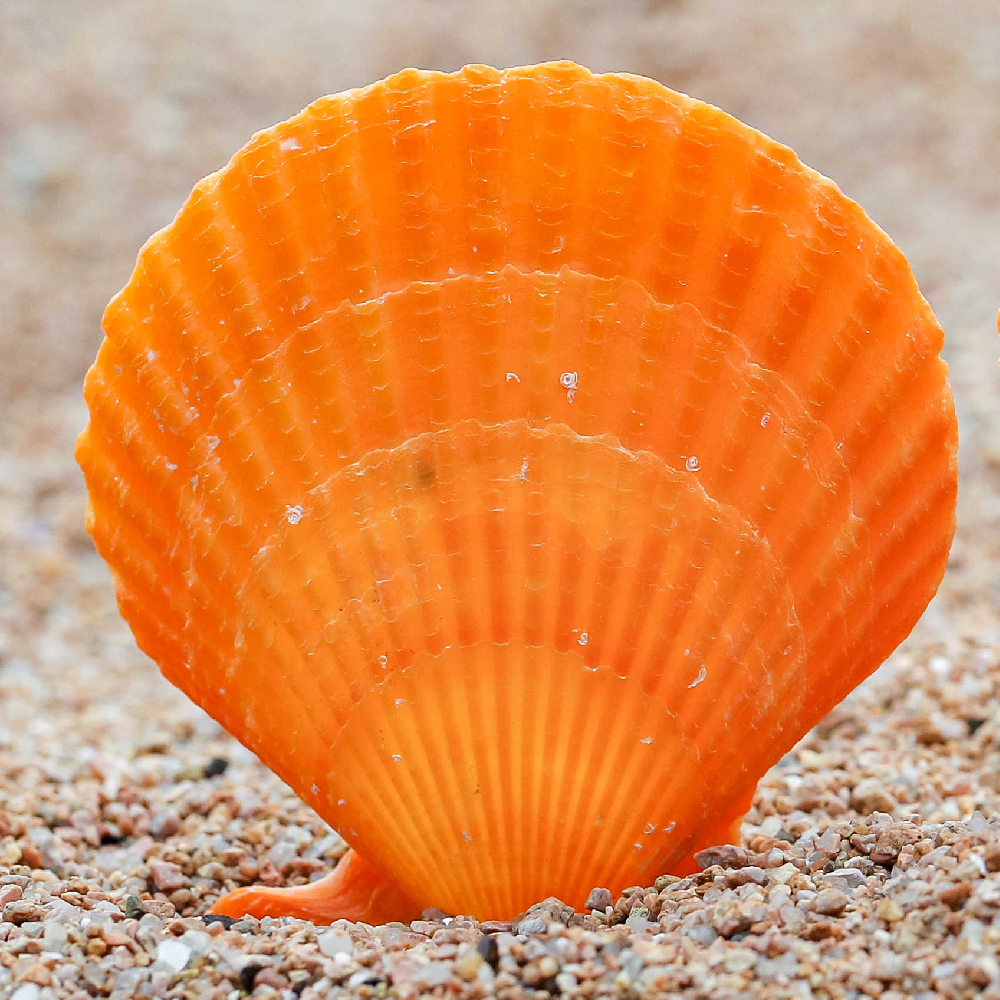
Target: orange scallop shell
x=519 y=463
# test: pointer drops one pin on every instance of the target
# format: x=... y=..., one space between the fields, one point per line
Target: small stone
x=852 y=877
x=991 y=857
x=215 y=767
x=955 y=896
x=27 y=991
x=127 y=983
x=701 y=933
x=468 y=964
x=495 y=927
x=566 y=982
x=9 y=894
x=38 y=974
x=165 y=875
x=541 y=969
x=248 y=975
x=599 y=899
x=269 y=976
x=488 y=949
x=20 y=911
x=829 y=902
x=164 y=825
x=173 y=954
x=55 y=936
x=198 y=941
x=666 y=881
x=433 y=974
x=728 y=918
x=134 y=908
x=740 y=960
x=821 y=931
x=218 y=918
x=283 y=852
x=725 y=855
x=331 y=944
x=869 y=795
x=889 y=910
x=96 y=975
x=982 y=970
x=395 y=935
x=742 y=876
x=783 y=874
x=829 y=842
x=538 y=917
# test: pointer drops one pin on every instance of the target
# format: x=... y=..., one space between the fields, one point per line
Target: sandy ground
x=108 y=114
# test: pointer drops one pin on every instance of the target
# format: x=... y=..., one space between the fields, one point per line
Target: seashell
x=519 y=463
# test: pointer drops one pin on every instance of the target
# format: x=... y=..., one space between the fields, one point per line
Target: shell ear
x=352 y=891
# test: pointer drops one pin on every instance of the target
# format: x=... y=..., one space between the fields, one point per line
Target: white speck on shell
x=569 y=380
x=764 y=419
x=702 y=674
x=511 y=377
x=466 y=836
x=294 y=514
x=647 y=740
x=584 y=639
x=692 y=464
x=397 y=757
x=287 y=144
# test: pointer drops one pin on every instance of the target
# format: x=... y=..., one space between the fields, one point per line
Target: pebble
x=537 y=918
x=165 y=875
x=850 y=877
x=332 y=944
x=830 y=902
x=599 y=899
x=20 y=911
x=173 y=953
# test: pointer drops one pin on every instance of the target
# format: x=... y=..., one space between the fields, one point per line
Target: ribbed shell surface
x=520 y=463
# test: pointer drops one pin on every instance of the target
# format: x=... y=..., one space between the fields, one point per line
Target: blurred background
x=111 y=111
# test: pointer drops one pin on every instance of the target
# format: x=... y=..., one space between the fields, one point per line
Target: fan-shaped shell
x=520 y=463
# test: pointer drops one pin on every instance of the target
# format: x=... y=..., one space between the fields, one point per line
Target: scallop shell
x=519 y=463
